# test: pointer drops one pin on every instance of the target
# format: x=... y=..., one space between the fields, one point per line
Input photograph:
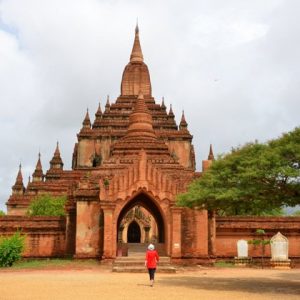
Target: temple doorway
x=133 y=233
x=140 y=222
x=138 y=226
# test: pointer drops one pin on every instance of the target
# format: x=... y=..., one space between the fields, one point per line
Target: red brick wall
x=45 y=236
x=194 y=233
x=231 y=229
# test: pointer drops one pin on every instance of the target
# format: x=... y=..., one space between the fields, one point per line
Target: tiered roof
x=139 y=129
x=114 y=121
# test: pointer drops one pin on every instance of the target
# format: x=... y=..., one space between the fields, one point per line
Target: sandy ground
x=100 y=283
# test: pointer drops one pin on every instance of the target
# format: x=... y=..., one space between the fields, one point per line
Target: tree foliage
x=253 y=179
x=2 y=213
x=11 y=249
x=262 y=242
x=47 y=205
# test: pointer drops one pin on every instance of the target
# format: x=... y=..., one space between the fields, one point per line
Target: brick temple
x=128 y=166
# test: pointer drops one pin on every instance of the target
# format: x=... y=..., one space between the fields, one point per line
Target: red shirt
x=151 y=259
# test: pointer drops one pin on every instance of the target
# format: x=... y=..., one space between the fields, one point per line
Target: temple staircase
x=135 y=261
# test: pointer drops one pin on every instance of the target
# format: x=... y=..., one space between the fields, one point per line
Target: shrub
x=47 y=205
x=11 y=249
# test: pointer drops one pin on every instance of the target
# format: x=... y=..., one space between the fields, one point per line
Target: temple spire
x=171 y=114
x=18 y=187
x=163 y=106
x=38 y=172
x=211 y=154
x=99 y=111
x=140 y=105
x=87 y=122
x=98 y=116
x=136 y=53
x=140 y=120
x=19 y=178
x=183 y=124
x=107 y=105
x=136 y=75
x=56 y=161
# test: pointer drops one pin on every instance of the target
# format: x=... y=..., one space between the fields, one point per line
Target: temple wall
x=182 y=150
x=194 y=235
x=16 y=211
x=44 y=236
x=231 y=229
x=86 y=150
x=87 y=147
x=88 y=236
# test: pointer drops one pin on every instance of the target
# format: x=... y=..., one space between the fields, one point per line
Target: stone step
x=141 y=258
x=136 y=264
x=142 y=269
x=139 y=249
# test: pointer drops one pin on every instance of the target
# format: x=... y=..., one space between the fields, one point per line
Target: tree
x=254 y=179
x=262 y=242
x=11 y=249
x=47 y=205
x=2 y=213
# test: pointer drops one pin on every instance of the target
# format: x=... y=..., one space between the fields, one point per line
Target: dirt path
x=102 y=284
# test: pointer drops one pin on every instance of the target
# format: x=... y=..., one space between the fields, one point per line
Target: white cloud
x=233 y=66
x=218 y=32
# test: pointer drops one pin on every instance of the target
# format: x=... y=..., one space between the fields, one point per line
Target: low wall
x=44 y=236
x=231 y=229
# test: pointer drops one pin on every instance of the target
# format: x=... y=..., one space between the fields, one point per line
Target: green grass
x=54 y=263
x=224 y=264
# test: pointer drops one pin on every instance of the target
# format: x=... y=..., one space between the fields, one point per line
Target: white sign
x=242 y=248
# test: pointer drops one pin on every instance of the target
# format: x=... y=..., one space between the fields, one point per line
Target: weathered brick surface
x=231 y=229
x=88 y=229
x=45 y=236
x=194 y=233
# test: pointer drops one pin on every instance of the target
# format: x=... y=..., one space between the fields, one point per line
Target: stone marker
x=242 y=259
x=279 y=252
x=242 y=248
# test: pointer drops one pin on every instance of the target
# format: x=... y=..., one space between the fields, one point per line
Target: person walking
x=151 y=261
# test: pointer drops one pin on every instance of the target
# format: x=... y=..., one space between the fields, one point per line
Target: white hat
x=151 y=247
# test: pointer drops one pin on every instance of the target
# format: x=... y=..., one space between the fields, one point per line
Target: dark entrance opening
x=143 y=200
x=134 y=233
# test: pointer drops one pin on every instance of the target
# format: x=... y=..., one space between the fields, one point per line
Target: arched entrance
x=134 y=233
x=137 y=230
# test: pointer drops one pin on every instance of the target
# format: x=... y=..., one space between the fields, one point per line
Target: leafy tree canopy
x=254 y=179
x=47 y=205
x=2 y=213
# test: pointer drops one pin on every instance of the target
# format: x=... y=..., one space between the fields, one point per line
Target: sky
x=233 y=67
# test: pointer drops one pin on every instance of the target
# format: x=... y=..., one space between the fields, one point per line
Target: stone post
x=120 y=234
x=201 y=228
x=71 y=232
x=212 y=233
x=87 y=224
x=147 y=229
x=176 y=232
x=109 y=242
